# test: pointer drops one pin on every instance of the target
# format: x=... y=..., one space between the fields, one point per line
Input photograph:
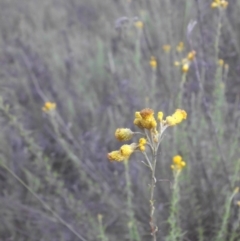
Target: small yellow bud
x=160 y=116
x=49 y=106
x=142 y=148
x=142 y=141
x=178 y=163
x=221 y=62
x=153 y=62
x=177 y=159
x=191 y=55
x=123 y=134
x=185 y=68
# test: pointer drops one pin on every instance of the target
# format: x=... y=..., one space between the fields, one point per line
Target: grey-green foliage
x=70 y=52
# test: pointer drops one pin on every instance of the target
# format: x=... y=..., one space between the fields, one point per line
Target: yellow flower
x=180 y=47
x=185 y=68
x=142 y=148
x=123 y=153
x=191 y=55
x=127 y=150
x=160 y=116
x=138 y=24
x=116 y=156
x=170 y=121
x=153 y=62
x=177 y=117
x=178 y=163
x=145 y=119
x=123 y=134
x=221 y=62
x=142 y=142
x=49 y=106
x=148 y=121
x=219 y=4
x=166 y=48
x=238 y=203
x=137 y=120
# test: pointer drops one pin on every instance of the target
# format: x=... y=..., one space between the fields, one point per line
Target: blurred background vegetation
x=92 y=60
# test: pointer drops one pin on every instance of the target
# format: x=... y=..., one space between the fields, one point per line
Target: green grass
x=55 y=177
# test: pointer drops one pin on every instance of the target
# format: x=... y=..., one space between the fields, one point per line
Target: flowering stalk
x=175 y=231
x=153 y=226
x=153 y=131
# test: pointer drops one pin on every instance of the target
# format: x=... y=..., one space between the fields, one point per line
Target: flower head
x=221 y=62
x=49 y=106
x=185 y=67
x=142 y=144
x=191 y=55
x=153 y=62
x=177 y=117
x=148 y=120
x=127 y=150
x=178 y=163
x=219 y=4
x=160 y=115
x=115 y=156
x=123 y=134
x=123 y=153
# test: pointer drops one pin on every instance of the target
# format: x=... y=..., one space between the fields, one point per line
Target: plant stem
x=152 y=208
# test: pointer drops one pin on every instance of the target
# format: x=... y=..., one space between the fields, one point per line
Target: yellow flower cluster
x=166 y=48
x=142 y=143
x=178 y=116
x=185 y=63
x=49 y=106
x=144 y=119
x=123 y=153
x=219 y=4
x=153 y=62
x=178 y=163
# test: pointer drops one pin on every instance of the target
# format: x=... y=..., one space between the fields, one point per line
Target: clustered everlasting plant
x=152 y=130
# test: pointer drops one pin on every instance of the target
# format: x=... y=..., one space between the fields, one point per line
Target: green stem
x=153 y=226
